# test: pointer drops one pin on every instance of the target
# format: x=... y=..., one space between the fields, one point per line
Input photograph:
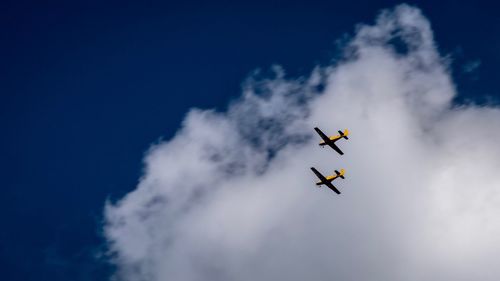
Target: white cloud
x=471 y=66
x=231 y=196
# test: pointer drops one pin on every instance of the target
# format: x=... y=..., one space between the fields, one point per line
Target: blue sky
x=86 y=88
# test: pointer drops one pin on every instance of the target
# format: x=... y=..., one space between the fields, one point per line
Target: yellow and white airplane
x=331 y=140
x=328 y=180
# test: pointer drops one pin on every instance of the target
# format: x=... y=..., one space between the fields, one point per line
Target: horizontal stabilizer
x=340 y=174
x=346 y=132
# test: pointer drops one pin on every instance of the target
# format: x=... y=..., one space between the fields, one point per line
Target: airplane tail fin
x=341 y=173
x=345 y=134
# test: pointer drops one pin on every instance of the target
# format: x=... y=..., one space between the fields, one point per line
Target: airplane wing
x=322 y=135
x=330 y=185
x=336 y=148
x=319 y=175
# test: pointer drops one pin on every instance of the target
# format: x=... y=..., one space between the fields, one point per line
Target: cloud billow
x=231 y=196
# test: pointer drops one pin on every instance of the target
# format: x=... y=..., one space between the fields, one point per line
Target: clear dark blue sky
x=86 y=87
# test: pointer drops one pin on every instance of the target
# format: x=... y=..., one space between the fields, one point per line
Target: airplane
x=328 y=180
x=331 y=140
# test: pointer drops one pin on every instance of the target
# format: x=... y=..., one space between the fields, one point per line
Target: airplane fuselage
x=332 y=139
x=329 y=178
